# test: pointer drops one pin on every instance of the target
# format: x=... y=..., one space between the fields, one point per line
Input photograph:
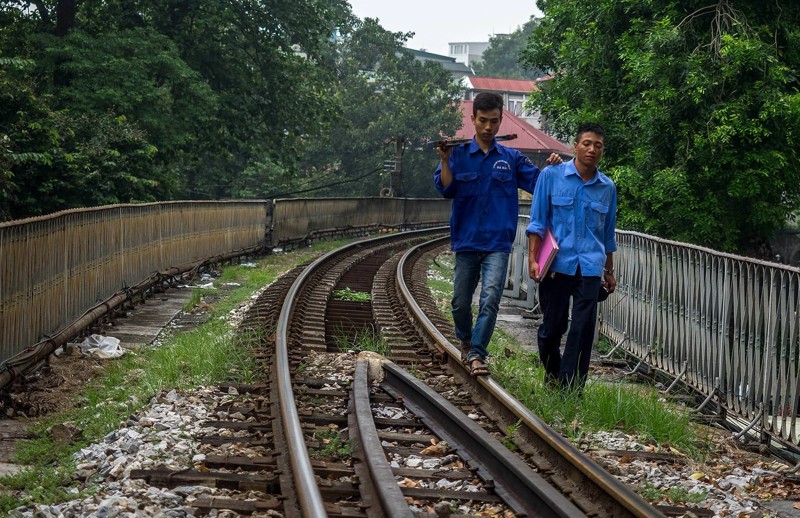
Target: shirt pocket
x=562 y=210
x=504 y=184
x=468 y=184
x=597 y=215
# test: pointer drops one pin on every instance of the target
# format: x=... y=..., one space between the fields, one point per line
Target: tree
x=502 y=57
x=386 y=95
x=701 y=103
x=212 y=90
x=52 y=160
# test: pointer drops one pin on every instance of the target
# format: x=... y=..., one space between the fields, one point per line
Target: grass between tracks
x=209 y=354
x=634 y=409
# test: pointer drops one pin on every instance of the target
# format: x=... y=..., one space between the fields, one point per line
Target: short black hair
x=590 y=127
x=487 y=101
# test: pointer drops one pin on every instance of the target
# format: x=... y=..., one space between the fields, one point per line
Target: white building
x=468 y=52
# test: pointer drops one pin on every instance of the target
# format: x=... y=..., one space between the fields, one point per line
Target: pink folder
x=547 y=252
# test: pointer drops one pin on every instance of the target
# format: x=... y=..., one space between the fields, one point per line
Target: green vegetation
x=679 y=495
x=351 y=295
x=649 y=492
x=385 y=95
x=634 y=409
x=207 y=355
x=502 y=57
x=508 y=440
x=363 y=340
x=333 y=445
x=107 y=102
x=701 y=102
x=198 y=295
x=675 y=495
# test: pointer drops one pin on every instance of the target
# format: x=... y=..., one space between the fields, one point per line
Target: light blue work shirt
x=485 y=208
x=582 y=217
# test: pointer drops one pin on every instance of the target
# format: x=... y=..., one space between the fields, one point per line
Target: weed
x=362 y=340
x=193 y=301
x=352 y=295
x=508 y=440
x=680 y=495
x=650 y=493
x=604 y=345
x=333 y=445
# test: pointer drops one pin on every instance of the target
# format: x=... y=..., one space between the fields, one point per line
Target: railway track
x=332 y=436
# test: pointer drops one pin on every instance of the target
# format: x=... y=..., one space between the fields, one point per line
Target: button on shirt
x=485 y=206
x=582 y=217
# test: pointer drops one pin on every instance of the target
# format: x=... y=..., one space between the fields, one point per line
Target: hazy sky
x=437 y=23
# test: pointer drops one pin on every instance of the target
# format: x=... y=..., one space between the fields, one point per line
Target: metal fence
x=726 y=325
x=303 y=217
x=54 y=267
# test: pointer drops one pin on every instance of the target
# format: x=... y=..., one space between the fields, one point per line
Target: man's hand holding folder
x=541 y=253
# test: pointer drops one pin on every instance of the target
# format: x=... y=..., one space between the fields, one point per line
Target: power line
x=278 y=195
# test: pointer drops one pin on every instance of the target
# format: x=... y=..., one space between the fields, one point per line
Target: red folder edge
x=547 y=252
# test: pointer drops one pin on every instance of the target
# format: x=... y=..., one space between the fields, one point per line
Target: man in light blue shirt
x=482 y=178
x=578 y=203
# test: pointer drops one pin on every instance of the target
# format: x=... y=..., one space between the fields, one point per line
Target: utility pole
x=397 y=173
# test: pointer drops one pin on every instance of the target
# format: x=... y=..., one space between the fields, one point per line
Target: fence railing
x=726 y=325
x=299 y=217
x=54 y=267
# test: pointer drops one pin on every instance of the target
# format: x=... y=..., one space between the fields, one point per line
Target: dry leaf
x=407 y=482
x=439 y=448
x=697 y=476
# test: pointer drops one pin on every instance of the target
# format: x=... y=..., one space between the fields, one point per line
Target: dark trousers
x=555 y=292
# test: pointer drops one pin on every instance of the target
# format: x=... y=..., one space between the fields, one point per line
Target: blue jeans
x=491 y=268
x=572 y=368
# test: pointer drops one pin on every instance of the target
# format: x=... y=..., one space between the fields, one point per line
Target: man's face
x=487 y=124
x=589 y=149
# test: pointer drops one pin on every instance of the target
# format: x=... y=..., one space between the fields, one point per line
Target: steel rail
x=626 y=500
x=525 y=491
x=309 y=495
x=382 y=482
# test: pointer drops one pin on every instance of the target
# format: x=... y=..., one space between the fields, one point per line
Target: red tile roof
x=503 y=85
x=529 y=139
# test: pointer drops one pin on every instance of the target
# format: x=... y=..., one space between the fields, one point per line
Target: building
x=531 y=141
x=515 y=92
x=468 y=51
x=450 y=64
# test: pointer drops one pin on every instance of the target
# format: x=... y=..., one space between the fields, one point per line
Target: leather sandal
x=478 y=367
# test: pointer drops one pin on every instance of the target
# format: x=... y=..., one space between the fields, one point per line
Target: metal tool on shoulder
x=431 y=144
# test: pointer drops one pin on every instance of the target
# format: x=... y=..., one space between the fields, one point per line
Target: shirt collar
x=474 y=147
x=571 y=169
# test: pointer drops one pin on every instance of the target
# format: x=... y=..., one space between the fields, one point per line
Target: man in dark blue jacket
x=482 y=178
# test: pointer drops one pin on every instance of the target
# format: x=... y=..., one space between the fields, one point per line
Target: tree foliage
x=502 y=57
x=107 y=101
x=386 y=95
x=700 y=100
x=182 y=97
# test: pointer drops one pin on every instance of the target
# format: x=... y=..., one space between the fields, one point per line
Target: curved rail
x=309 y=496
x=390 y=498
x=524 y=490
x=627 y=500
